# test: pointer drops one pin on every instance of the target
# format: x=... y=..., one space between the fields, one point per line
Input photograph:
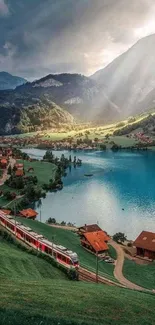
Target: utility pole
x=40 y=215
x=96 y=267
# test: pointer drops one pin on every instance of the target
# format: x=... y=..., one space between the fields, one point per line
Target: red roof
x=19 y=165
x=3 y=161
x=19 y=172
x=97 y=240
x=28 y=213
x=90 y=228
x=146 y=240
x=6 y=211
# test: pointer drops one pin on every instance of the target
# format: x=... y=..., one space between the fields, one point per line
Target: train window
x=63 y=258
x=46 y=249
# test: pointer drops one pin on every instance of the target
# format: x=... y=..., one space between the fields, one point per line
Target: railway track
x=88 y=276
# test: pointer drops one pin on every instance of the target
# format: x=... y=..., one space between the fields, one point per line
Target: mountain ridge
x=129 y=80
x=9 y=81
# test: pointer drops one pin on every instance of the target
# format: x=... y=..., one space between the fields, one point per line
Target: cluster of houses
x=95 y=240
x=38 y=140
x=142 y=137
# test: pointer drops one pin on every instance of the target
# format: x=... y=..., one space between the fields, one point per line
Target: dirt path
x=5 y=173
x=119 y=268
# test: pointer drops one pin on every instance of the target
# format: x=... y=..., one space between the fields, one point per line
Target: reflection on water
x=120 y=195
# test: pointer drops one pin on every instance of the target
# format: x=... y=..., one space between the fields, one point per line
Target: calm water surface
x=120 y=195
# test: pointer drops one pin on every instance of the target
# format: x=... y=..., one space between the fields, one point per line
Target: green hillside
x=71 y=240
x=32 y=292
x=143 y=275
x=18 y=264
x=61 y=302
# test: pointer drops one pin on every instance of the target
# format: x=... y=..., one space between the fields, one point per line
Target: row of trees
x=63 y=223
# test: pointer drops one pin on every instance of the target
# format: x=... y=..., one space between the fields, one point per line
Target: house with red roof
x=19 y=172
x=88 y=228
x=145 y=245
x=28 y=213
x=3 y=163
x=95 y=241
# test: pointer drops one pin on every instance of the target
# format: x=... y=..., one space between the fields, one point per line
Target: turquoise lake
x=120 y=195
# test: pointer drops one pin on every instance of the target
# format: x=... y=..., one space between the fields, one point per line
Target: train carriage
x=60 y=253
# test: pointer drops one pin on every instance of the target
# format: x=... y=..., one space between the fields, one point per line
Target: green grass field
x=33 y=292
x=143 y=275
x=43 y=170
x=71 y=241
x=45 y=302
x=18 y=264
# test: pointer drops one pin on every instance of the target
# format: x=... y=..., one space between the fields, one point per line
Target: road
x=118 y=271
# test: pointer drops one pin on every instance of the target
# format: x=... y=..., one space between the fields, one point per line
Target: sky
x=38 y=37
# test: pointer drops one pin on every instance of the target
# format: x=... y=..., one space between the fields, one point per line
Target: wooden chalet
x=96 y=241
x=93 y=238
x=28 y=213
x=88 y=228
x=145 y=245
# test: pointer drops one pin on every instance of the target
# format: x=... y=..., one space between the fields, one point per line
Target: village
x=92 y=237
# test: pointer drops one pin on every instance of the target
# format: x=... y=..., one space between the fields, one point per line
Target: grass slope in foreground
x=18 y=264
x=71 y=240
x=32 y=294
x=75 y=303
x=143 y=275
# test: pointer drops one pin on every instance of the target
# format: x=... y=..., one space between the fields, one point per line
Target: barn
x=145 y=245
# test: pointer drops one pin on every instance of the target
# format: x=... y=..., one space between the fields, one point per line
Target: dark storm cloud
x=42 y=36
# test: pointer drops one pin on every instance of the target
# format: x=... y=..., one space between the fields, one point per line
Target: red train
x=63 y=256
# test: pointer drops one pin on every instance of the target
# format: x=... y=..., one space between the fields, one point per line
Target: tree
x=107 y=136
x=103 y=147
x=63 y=223
x=51 y=220
x=119 y=237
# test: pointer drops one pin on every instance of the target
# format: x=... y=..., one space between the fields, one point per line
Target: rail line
x=85 y=275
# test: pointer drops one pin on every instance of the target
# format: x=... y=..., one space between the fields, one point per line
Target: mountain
x=129 y=81
x=24 y=113
x=79 y=95
x=7 y=81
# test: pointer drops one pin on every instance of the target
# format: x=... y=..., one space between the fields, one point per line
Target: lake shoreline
x=114 y=196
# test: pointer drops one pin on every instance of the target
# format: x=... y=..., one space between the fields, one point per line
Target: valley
x=77 y=162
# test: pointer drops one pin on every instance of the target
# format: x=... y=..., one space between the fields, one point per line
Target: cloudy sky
x=38 y=37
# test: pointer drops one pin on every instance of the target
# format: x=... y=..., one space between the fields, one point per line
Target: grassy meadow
x=143 y=275
x=53 y=302
x=43 y=170
x=18 y=264
x=33 y=292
